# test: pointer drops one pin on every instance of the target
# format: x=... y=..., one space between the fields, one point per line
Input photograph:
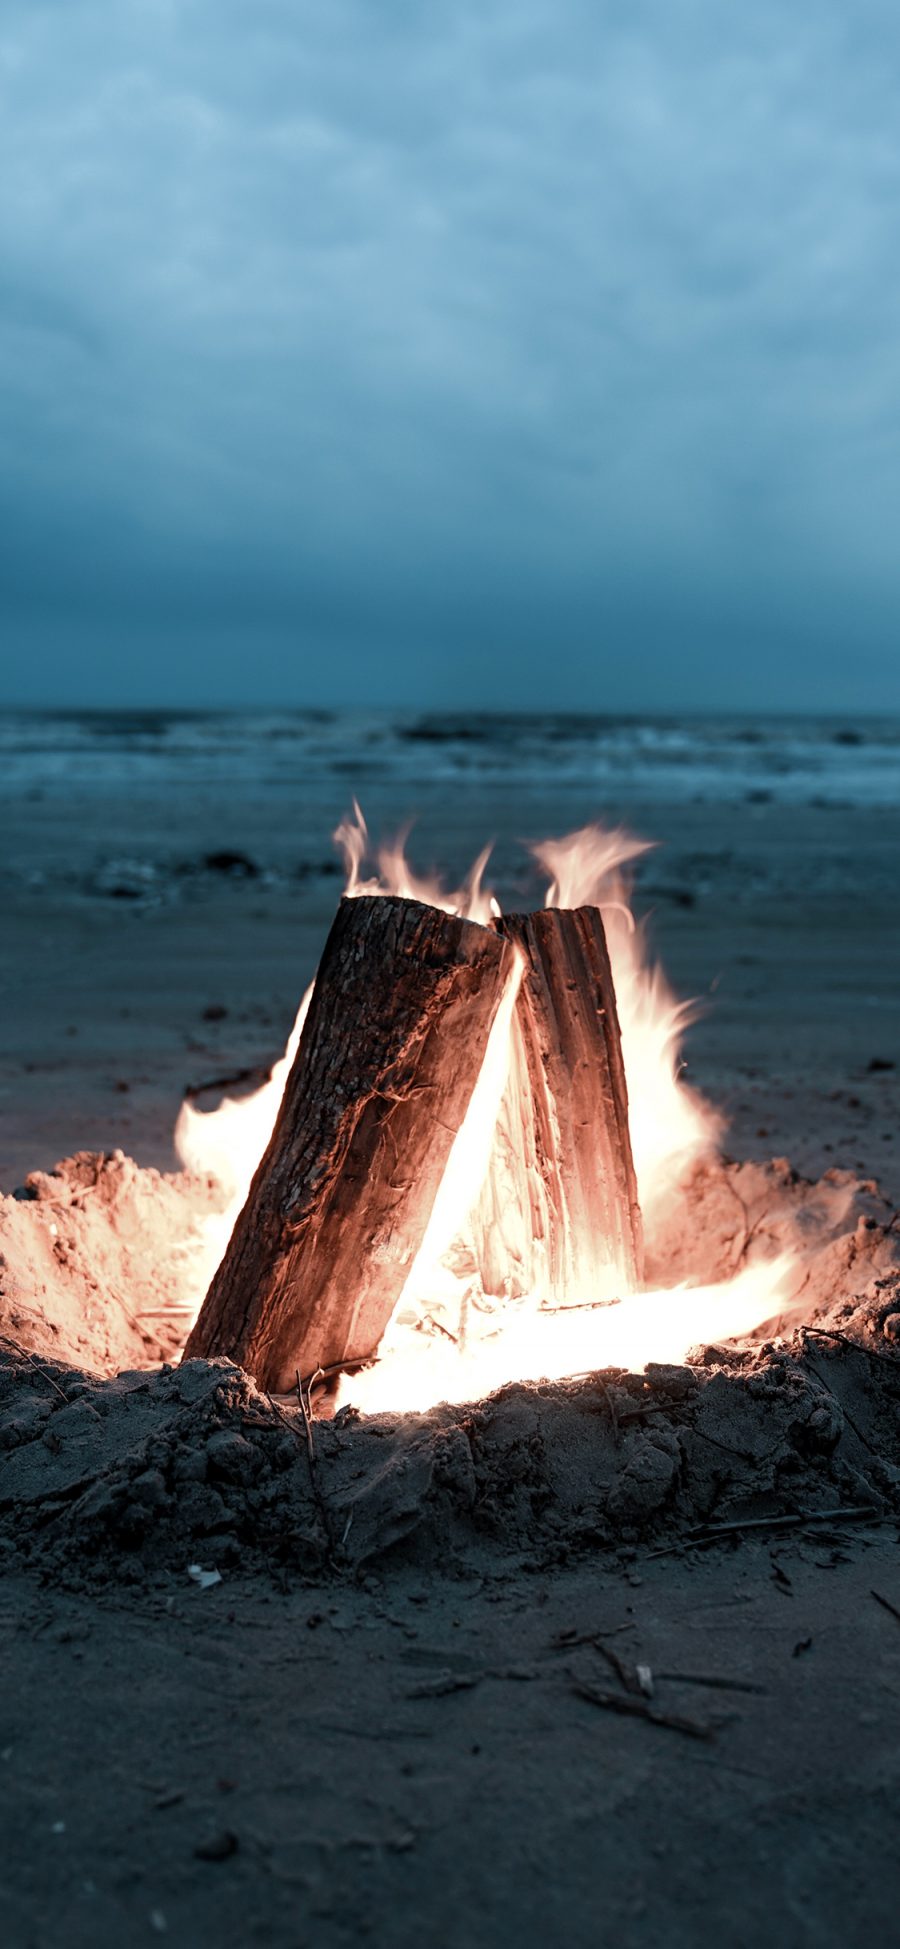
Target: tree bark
x=559 y=1211
x=390 y=1053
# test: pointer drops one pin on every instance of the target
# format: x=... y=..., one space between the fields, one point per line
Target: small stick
x=613 y=1411
x=567 y=1640
x=844 y=1410
x=846 y=1339
x=581 y=1305
x=888 y=1606
x=306 y=1412
x=700 y=1538
x=464 y=1318
x=715 y=1684
x=635 y=1705
x=339 y=1367
x=164 y=1313
x=256 y=1073
x=314 y=1483
x=282 y=1416
x=710 y=1532
x=429 y=1320
x=626 y=1674
x=25 y=1355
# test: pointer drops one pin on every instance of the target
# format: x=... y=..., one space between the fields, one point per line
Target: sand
x=791 y=944
x=380 y=1721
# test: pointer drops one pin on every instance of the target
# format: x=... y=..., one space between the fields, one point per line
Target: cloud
x=453 y=339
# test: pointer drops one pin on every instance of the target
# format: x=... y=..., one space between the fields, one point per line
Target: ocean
x=619 y=760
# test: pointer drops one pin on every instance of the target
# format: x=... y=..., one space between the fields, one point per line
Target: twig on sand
x=443 y=1683
x=626 y=1674
x=712 y=1683
x=854 y=1425
x=613 y=1411
x=24 y=1354
x=306 y=1411
x=338 y=1367
x=708 y=1533
x=570 y=1639
x=283 y=1418
x=307 y=1440
x=255 y=1073
x=165 y=1312
x=863 y=1512
x=847 y=1340
x=636 y=1706
x=886 y=1604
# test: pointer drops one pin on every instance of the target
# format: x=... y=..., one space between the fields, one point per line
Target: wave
x=638 y=760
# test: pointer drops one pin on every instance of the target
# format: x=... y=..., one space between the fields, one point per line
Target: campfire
x=477 y=1201
x=458 y=1173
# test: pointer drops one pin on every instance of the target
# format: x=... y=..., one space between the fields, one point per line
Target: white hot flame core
x=416 y=1370
x=445 y=1341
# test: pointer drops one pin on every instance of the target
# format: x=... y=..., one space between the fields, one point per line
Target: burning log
x=390 y=1054
x=559 y=1211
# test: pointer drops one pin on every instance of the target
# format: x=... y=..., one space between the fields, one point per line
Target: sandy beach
x=431 y=1742
x=129 y=970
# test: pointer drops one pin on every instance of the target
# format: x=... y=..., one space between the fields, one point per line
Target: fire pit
x=476 y=1176
x=475 y=1111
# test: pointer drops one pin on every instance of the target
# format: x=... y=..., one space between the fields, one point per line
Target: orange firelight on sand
x=446 y=1340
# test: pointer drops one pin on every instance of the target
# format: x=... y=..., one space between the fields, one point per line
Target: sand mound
x=103 y=1475
x=102 y=1264
x=120 y=1477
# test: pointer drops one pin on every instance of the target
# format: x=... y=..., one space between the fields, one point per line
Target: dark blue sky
x=533 y=352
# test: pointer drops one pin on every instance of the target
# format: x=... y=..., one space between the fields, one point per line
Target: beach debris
x=886 y=1605
x=204 y=1579
x=635 y=1706
x=219 y=1845
x=745 y=1525
x=443 y=1683
x=714 y=1681
x=252 y=1073
x=235 y=865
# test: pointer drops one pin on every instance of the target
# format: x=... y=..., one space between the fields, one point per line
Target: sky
x=503 y=354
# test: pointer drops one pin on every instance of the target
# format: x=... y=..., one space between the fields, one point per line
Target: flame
x=226 y=1144
x=445 y=1342
x=470 y=1152
x=417 y=1368
x=396 y=876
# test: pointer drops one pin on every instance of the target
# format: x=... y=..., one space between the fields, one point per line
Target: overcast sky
x=530 y=352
